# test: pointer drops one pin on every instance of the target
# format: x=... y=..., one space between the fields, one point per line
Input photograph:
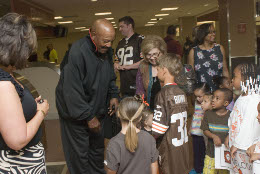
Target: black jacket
x=86 y=82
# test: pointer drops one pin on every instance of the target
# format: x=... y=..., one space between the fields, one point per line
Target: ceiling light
x=104 y=13
x=148 y=24
x=206 y=5
x=166 y=9
x=161 y=14
x=85 y=29
x=151 y=22
x=160 y=19
x=113 y=22
x=58 y=17
x=109 y=18
x=154 y=19
x=66 y=22
x=188 y=13
x=78 y=28
x=94 y=0
x=114 y=25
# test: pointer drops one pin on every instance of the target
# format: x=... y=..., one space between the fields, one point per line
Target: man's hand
x=113 y=106
x=233 y=150
x=250 y=150
x=217 y=141
x=116 y=66
x=94 y=125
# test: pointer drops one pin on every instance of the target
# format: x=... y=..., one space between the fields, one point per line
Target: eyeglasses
x=149 y=56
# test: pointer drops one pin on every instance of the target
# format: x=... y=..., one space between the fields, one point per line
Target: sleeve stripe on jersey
x=159 y=128
x=160 y=125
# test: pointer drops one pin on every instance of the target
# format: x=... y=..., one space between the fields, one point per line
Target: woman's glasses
x=149 y=56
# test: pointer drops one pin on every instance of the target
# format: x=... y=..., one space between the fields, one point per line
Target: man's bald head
x=102 y=25
x=103 y=34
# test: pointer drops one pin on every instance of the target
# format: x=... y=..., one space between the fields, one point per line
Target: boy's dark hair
x=227 y=93
x=219 y=80
x=127 y=20
x=171 y=62
x=171 y=30
x=145 y=115
x=203 y=86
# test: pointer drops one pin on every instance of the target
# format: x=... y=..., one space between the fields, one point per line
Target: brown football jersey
x=170 y=124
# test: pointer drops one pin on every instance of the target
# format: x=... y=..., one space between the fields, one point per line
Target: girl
x=147 y=120
x=224 y=82
x=206 y=104
x=195 y=131
x=132 y=150
x=244 y=128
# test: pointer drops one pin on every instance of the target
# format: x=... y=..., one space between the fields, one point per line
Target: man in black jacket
x=85 y=84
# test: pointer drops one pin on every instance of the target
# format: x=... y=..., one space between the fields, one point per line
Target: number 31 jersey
x=170 y=124
x=127 y=53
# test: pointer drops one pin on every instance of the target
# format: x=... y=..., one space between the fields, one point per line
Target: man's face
x=104 y=40
x=219 y=100
x=160 y=73
x=124 y=28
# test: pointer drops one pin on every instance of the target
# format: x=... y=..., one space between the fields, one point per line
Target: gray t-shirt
x=123 y=161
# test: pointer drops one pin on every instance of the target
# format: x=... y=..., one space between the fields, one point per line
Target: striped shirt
x=217 y=125
x=196 y=120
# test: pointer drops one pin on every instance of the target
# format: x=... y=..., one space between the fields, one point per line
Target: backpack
x=186 y=79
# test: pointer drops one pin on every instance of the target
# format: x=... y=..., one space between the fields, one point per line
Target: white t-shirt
x=244 y=128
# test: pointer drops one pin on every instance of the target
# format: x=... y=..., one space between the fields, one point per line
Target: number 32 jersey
x=170 y=124
x=127 y=53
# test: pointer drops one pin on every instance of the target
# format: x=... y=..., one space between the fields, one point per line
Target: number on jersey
x=125 y=55
x=182 y=128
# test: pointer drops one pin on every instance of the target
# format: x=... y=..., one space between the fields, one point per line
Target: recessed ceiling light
x=148 y=24
x=188 y=13
x=109 y=18
x=66 y=22
x=161 y=14
x=85 y=29
x=113 y=22
x=114 y=25
x=94 y=0
x=58 y=17
x=104 y=13
x=78 y=28
x=151 y=22
x=206 y=5
x=166 y=9
x=154 y=19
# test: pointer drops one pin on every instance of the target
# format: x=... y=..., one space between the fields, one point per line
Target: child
x=170 y=119
x=224 y=82
x=254 y=150
x=147 y=120
x=244 y=128
x=198 y=140
x=215 y=127
x=206 y=104
x=132 y=150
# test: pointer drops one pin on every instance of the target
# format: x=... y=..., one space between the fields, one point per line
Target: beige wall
x=242 y=44
x=61 y=44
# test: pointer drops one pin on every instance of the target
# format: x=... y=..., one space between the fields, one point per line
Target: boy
x=170 y=119
x=215 y=127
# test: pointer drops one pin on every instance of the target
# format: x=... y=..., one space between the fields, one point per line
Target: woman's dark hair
x=127 y=20
x=202 y=32
x=171 y=30
x=203 y=86
x=17 y=40
x=219 y=80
